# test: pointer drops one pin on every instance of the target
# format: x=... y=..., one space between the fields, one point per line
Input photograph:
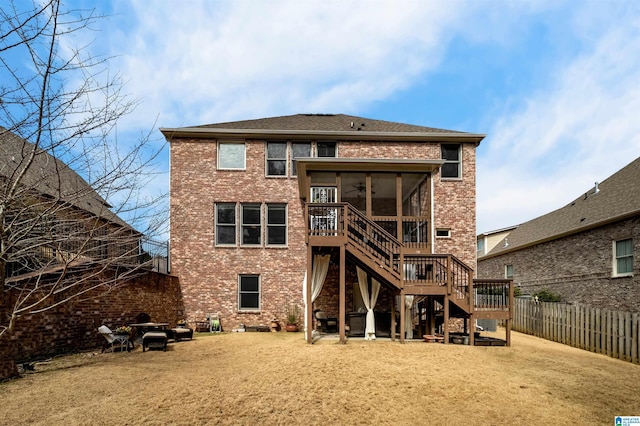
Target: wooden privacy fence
x=613 y=333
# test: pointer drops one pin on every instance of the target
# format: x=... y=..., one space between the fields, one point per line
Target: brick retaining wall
x=71 y=327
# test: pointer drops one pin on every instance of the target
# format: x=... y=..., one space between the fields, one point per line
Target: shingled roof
x=614 y=199
x=342 y=126
x=324 y=122
x=52 y=177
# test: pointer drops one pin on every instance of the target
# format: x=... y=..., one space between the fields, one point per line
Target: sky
x=554 y=85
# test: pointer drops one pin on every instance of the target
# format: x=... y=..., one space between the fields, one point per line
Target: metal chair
x=113 y=340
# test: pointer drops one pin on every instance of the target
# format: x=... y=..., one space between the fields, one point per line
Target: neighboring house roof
x=50 y=176
x=327 y=125
x=617 y=198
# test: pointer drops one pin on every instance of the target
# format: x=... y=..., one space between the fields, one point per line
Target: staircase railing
x=344 y=221
x=373 y=240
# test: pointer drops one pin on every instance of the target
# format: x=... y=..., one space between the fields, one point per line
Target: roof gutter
x=213 y=133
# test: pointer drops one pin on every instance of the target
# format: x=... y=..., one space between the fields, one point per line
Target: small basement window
x=443 y=233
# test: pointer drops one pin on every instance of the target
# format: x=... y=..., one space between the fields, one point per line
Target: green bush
x=547 y=296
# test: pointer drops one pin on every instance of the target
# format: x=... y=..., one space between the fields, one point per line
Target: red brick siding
x=209 y=274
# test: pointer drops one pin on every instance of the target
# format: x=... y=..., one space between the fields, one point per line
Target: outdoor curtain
x=369 y=302
x=408 y=323
x=318 y=275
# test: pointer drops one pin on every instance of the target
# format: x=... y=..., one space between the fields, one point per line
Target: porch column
x=343 y=275
x=308 y=303
x=508 y=332
x=472 y=330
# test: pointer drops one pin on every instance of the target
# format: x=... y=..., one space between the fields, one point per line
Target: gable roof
x=49 y=176
x=614 y=199
x=321 y=125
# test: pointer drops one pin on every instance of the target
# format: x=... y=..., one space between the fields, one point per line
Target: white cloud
x=210 y=62
x=580 y=129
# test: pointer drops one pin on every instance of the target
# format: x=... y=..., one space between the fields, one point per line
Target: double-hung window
x=451 y=155
x=299 y=150
x=251 y=225
x=225 y=224
x=508 y=272
x=249 y=292
x=276 y=224
x=231 y=156
x=623 y=258
x=276 y=158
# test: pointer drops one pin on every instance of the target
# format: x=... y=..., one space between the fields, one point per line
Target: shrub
x=547 y=296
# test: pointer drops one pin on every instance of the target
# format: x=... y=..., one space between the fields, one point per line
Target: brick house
x=349 y=218
x=586 y=251
x=53 y=217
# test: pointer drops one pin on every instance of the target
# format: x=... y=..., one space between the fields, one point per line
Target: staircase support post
x=445 y=325
x=343 y=273
x=402 y=318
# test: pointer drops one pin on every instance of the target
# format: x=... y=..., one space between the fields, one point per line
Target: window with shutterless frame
x=508 y=271
x=299 y=150
x=231 y=155
x=451 y=154
x=623 y=258
x=225 y=216
x=276 y=158
x=276 y=224
x=248 y=292
x=251 y=224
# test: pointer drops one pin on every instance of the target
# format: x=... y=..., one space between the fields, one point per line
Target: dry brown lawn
x=276 y=378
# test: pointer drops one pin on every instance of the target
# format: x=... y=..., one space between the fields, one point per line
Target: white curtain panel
x=408 y=324
x=318 y=275
x=369 y=302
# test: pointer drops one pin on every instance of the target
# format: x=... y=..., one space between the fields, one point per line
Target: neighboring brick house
x=587 y=251
x=259 y=205
x=51 y=216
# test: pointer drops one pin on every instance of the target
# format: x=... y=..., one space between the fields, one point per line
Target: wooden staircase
x=384 y=256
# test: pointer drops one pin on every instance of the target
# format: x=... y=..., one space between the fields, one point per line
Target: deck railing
x=492 y=295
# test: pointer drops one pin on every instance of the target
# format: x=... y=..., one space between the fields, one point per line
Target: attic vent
x=596 y=190
x=506 y=243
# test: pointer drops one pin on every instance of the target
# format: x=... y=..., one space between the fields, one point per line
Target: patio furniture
x=113 y=340
x=179 y=333
x=326 y=324
x=154 y=339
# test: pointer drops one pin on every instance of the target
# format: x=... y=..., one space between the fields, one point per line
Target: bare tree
x=72 y=208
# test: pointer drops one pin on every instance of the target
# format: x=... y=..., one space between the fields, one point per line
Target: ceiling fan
x=360 y=188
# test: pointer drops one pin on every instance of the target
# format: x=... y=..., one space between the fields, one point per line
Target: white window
x=251 y=225
x=508 y=271
x=451 y=168
x=225 y=224
x=231 y=156
x=443 y=233
x=276 y=224
x=623 y=258
x=249 y=292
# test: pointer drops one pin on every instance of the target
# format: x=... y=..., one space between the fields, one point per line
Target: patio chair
x=113 y=340
x=327 y=325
